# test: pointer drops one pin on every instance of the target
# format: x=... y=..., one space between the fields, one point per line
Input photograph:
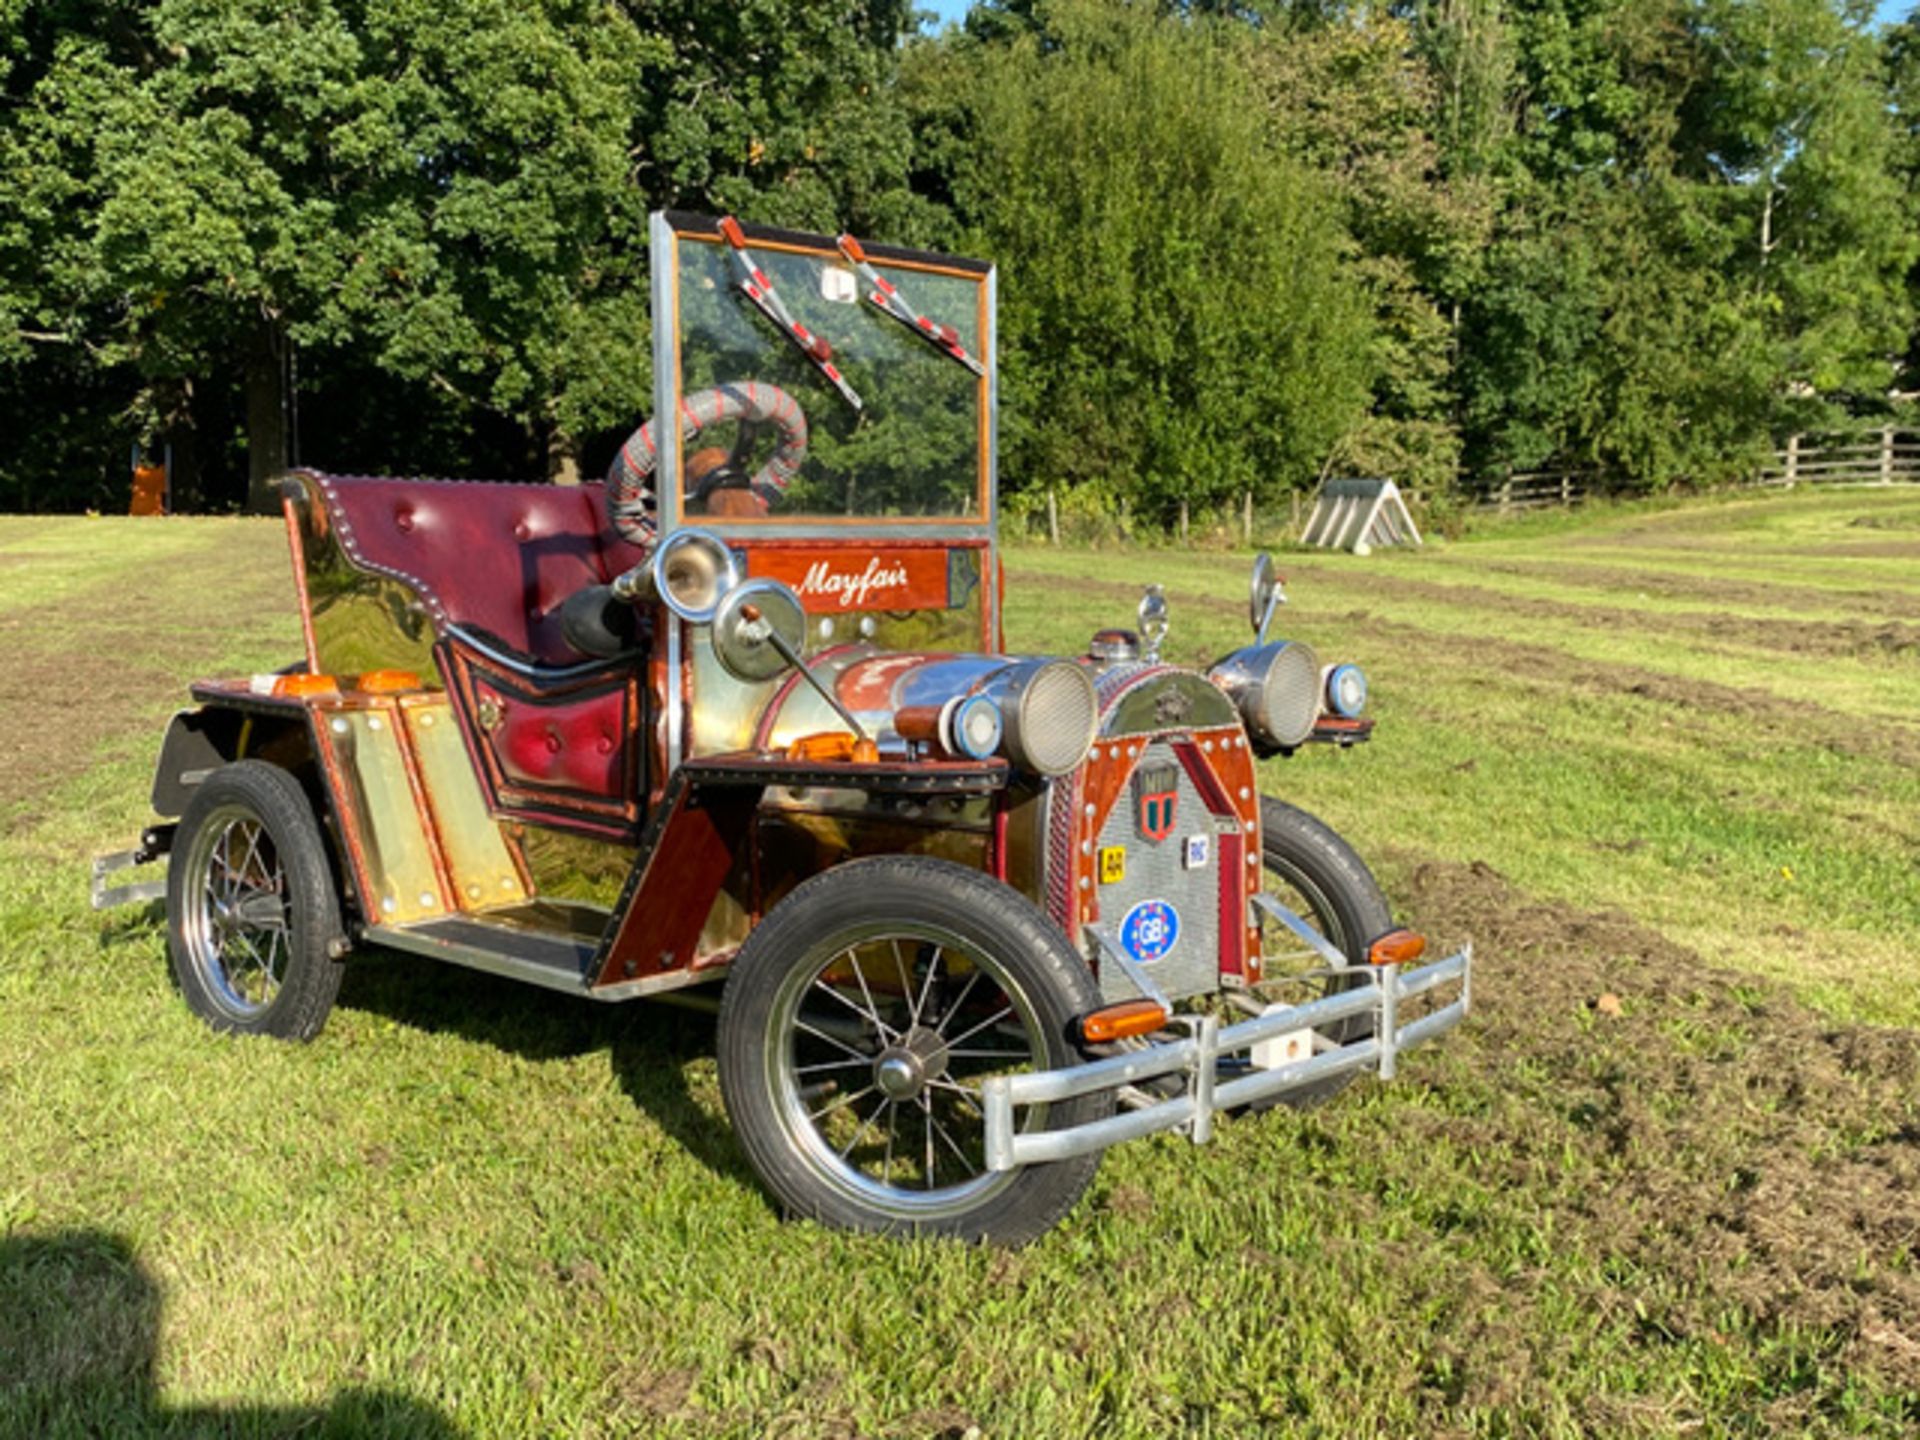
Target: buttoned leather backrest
x=497 y=556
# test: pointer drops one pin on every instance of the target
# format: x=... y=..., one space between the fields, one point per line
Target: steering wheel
x=754 y=404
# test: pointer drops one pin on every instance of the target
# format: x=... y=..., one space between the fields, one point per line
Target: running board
x=549 y=959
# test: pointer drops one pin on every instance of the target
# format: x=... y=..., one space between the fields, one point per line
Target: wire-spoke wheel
x=237 y=919
x=1314 y=873
x=250 y=905
x=860 y=1022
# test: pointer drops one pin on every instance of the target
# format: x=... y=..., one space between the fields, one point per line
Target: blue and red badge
x=1149 y=930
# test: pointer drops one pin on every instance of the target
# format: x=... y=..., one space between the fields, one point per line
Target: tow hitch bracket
x=155 y=842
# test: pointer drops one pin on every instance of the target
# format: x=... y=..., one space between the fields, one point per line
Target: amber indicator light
x=386 y=682
x=834 y=745
x=1396 y=947
x=306 y=683
x=1118 y=1022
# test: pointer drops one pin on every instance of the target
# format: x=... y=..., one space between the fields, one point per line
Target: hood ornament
x=1153 y=623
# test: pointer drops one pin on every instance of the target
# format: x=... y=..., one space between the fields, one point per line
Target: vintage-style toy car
x=743 y=716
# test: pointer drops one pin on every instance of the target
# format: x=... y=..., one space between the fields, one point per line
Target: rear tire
x=251 y=909
x=857 y=1024
x=1315 y=873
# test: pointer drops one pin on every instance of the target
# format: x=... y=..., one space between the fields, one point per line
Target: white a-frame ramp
x=1359 y=515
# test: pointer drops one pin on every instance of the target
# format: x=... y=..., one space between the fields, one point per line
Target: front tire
x=858 y=1022
x=1313 y=872
x=251 y=909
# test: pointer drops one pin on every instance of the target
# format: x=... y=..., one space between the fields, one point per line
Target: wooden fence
x=1891 y=457
x=1888 y=457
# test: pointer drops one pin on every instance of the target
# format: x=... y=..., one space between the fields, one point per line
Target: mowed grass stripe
x=116 y=562
x=1658 y=589
x=1762 y=585
x=1889 y=577
x=1646 y=591
x=1878 y=690
x=1518 y=609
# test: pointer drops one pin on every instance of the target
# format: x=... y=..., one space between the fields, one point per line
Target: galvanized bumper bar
x=1198 y=1056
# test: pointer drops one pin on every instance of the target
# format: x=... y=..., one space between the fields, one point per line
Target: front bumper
x=1198 y=1059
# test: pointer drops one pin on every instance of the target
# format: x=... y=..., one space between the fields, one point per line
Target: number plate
x=1113 y=864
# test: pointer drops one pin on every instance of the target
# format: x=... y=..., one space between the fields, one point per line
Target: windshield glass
x=812 y=402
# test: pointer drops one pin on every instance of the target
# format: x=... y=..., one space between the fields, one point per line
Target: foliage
x=1701 y=246
x=1242 y=244
x=448 y=191
x=1177 y=315
x=1903 y=95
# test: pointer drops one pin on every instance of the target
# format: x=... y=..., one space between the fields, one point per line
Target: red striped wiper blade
x=886 y=297
x=758 y=287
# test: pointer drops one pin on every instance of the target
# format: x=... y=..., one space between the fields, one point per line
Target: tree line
x=1242 y=245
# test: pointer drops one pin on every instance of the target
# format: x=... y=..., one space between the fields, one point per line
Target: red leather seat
x=501 y=558
x=497 y=556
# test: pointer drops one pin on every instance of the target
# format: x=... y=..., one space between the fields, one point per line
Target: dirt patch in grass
x=1773 y=715
x=1804 y=637
x=1754 y=1161
x=1706 y=589
x=1873 y=549
x=78 y=670
x=60 y=707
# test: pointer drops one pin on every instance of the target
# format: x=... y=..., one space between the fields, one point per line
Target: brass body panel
x=576 y=868
x=356 y=620
x=386 y=830
x=479 y=864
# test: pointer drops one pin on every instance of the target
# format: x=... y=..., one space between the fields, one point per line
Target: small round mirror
x=1260 y=591
x=750 y=615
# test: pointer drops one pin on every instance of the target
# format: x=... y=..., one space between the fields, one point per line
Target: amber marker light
x=830 y=745
x=305 y=683
x=1397 y=947
x=1118 y=1022
x=386 y=682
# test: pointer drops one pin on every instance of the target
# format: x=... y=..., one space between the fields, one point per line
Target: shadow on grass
x=649 y=1043
x=79 y=1320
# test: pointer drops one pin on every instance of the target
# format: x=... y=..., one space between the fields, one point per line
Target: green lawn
x=1663 y=755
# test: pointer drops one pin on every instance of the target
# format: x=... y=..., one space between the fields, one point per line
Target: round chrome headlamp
x=1276 y=689
x=1346 y=691
x=1049 y=710
x=692 y=571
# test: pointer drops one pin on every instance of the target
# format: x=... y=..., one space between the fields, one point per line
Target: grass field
x=1663 y=755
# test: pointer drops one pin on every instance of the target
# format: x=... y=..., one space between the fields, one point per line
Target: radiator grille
x=1159 y=872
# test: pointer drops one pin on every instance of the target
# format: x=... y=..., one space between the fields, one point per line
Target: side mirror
x=758 y=626
x=1264 y=594
x=758 y=629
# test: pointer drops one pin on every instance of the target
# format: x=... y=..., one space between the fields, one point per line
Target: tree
x=1702 y=244
x=1903 y=96
x=455 y=193
x=1178 y=321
